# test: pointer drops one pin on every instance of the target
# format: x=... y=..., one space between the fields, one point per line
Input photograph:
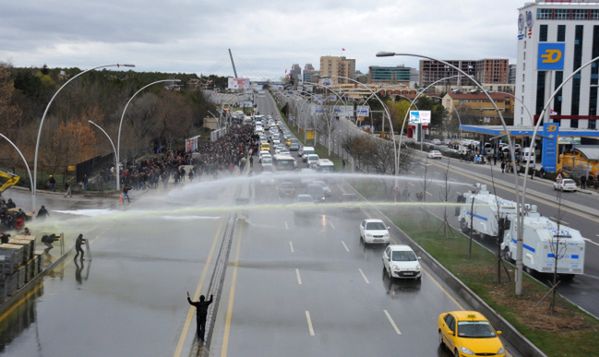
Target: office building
x=381 y=74
x=555 y=39
x=511 y=74
x=295 y=73
x=310 y=74
x=335 y=66
x=485 y=71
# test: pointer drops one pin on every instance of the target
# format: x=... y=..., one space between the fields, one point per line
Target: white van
x=325 y=165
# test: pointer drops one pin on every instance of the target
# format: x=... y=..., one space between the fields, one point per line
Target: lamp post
x=39 y=131
x=519 y=198
x=118 y=137
x=26 y=166
x=116 y=156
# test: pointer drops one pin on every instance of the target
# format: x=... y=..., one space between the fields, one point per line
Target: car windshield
x=375 y=226
x=475 y=329
x=403 y=256
x=568 y=181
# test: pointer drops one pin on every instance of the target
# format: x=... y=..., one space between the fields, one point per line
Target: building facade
x=571 y=27
x=485 y=71
x=381 y=74
x=310 y=74
x=295 y=73
x=335 y=66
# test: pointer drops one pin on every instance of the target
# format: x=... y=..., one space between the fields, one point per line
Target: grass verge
x=567 y=331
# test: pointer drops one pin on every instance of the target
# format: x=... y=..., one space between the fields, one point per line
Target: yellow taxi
x=264 y=147
x=469 y=333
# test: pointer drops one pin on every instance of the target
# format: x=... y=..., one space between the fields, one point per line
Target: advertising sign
x=362 y=111
x=344 y=111
x=316 y=109
x=327 y=82
x=310 y=134
x=420 y=117
x=549 y=153
x=551 y=56
x=238 y=83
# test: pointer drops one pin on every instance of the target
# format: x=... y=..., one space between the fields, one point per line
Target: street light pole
x=118 y=137
x=26 y=166
x=39 y=131
x=519 y=198
x=116 y=159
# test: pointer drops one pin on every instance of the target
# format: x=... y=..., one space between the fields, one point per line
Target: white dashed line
x=345 y=246
x=331 y=224
x=291 y=247
x=392 y=322
x=298 y=276
x=428 y=193
x=363 y=276
x=286 y=226
x=310 y=327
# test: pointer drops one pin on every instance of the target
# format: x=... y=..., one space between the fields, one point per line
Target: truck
x=481 y=211
x=544 y=241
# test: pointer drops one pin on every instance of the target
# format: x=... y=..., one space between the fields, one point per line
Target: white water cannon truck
x=544 y=239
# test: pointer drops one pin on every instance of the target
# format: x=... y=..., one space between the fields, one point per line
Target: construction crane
x=233 y=63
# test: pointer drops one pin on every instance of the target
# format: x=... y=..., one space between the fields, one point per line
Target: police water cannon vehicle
x=544 y=241
x=481 y=211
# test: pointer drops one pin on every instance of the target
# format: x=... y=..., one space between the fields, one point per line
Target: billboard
x=238 y=83
x=549 y=153
x=362 y=111
x=420 y=117
x=551 y=56
x=326 y=82
x=344 y=111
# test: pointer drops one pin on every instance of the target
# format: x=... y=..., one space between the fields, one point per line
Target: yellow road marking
x=196 y=294
x=21 y=301
x=231 y=302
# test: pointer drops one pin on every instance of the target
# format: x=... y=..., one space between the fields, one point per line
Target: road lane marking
x=592 y=242
x=298 y=276
x=345 y=246
x=363 y=276
x=196 y=294
x=231 y=302
x=331 y=224
x=428 y=193
x=310 y=327
x=286 y=226
x=412 y=172
x=291 y=247
x=443 y=289
x=392 y=322
x=411 y=184
x=561 y=221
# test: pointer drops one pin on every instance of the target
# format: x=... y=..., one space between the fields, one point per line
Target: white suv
x=374 y=231
x=401 y=262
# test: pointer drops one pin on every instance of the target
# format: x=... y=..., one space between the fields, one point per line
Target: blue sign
x=551 y=56
x=549 y=153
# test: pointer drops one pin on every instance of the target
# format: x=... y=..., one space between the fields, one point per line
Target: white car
x=305 y=151
x=312 y=160
x=374 y=231
x=434 y=154
x=436 y=142
x=565 y=185
x=266 y=162
x=401 y=262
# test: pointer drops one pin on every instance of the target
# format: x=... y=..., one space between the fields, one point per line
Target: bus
x=284 y=162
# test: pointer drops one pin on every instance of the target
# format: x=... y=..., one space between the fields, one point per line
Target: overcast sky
x=266 y=37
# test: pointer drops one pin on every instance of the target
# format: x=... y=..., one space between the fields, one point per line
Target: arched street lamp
x=39 y=131
x=26 y=167
x=118 y=137
x=116 y=156
x=519 y=198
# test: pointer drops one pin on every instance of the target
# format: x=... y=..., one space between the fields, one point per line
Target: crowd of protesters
x=225 y=155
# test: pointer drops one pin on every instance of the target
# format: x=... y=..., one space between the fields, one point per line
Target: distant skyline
x=266 y=37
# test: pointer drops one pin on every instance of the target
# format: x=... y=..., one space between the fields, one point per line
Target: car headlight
x=467 y=351
x=418 y=267
x=501 y=350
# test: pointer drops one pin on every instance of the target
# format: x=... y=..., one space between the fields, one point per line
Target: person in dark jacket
x=10 y=204
x=201 y=312
x=43 y=212
x=78 y=243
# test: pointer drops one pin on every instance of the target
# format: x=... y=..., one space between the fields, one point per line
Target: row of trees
x=161 y=116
